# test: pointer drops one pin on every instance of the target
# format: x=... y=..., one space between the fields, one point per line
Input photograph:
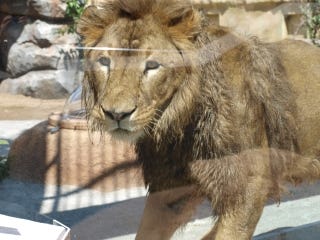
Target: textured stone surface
x=34 y=8
x=14 y=7
x=46 y=34
x=263 y=18
x=238 y=2
x=46 y=84
x=3 y=75
x=266 y=25
x=41 y=46
x=48 y=8
x=233 y=2
x=26 y=57
x=10 y=30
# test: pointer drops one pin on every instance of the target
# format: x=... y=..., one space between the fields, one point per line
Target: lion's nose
x=118 y=116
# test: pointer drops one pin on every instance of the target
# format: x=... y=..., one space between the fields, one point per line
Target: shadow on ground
x=94 y=214
x=305 y=232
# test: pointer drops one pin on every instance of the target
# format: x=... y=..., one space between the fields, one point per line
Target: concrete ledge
x=306 y=232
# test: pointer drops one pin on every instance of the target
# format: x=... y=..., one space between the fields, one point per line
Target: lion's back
x=302 y=64
x=244 y=61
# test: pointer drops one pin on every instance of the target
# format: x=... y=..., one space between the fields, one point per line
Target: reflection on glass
x=73 y=108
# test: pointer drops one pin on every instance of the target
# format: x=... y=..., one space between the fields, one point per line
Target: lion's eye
x=151 y=65
x=104 y=61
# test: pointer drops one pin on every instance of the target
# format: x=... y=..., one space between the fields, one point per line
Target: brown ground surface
x=18 y=107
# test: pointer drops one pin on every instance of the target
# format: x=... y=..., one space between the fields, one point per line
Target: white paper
x=20 y=229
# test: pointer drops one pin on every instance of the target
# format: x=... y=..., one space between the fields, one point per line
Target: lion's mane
x=199 y=122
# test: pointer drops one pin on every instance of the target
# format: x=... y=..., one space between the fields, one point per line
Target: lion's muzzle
x=118 y=116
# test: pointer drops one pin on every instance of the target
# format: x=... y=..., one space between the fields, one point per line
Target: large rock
x=3 y=75
x=35 y=8
x=10 y=30
x=269 y=26
x=14 y=7
x=42 y=46
x=45 y=34
x=45 y=84
x=26 y=57
x=48 y=8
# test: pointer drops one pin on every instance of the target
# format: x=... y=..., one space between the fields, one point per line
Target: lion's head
x=139 y=72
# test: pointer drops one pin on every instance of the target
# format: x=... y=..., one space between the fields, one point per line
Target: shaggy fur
x=225 y=118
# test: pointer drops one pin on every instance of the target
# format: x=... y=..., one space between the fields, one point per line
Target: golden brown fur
x=227 y=114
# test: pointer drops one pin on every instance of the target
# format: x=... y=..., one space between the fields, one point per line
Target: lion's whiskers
x=158 y=113
x=147 y=131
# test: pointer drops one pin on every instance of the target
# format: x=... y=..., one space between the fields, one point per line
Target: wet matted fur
x=230 y=116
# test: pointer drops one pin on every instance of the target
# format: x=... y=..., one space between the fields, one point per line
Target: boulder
x=43 y=46
x=45 y=84
x=35 y=8
x=10 y=30
x=26 y=57
x=46 y=34
x=48 y=8
x=14 y=7
x=269 y=26
x=3 y=75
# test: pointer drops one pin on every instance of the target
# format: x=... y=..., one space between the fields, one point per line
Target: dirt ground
x=18 y=107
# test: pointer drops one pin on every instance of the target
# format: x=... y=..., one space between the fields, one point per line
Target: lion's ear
x=91 y=24
x=184 y=22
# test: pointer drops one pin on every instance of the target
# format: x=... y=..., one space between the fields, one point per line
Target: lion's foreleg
x=239 y=222
x=238 y=187
x=166 y=211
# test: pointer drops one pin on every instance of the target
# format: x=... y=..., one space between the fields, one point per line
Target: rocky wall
x=38 y=57
x=271 y=20
x=37 y=60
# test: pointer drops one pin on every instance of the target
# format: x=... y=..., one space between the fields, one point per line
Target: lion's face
x=138 y=72
x=133 y=87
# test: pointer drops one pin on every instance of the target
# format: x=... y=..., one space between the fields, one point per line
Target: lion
x=212 y=114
